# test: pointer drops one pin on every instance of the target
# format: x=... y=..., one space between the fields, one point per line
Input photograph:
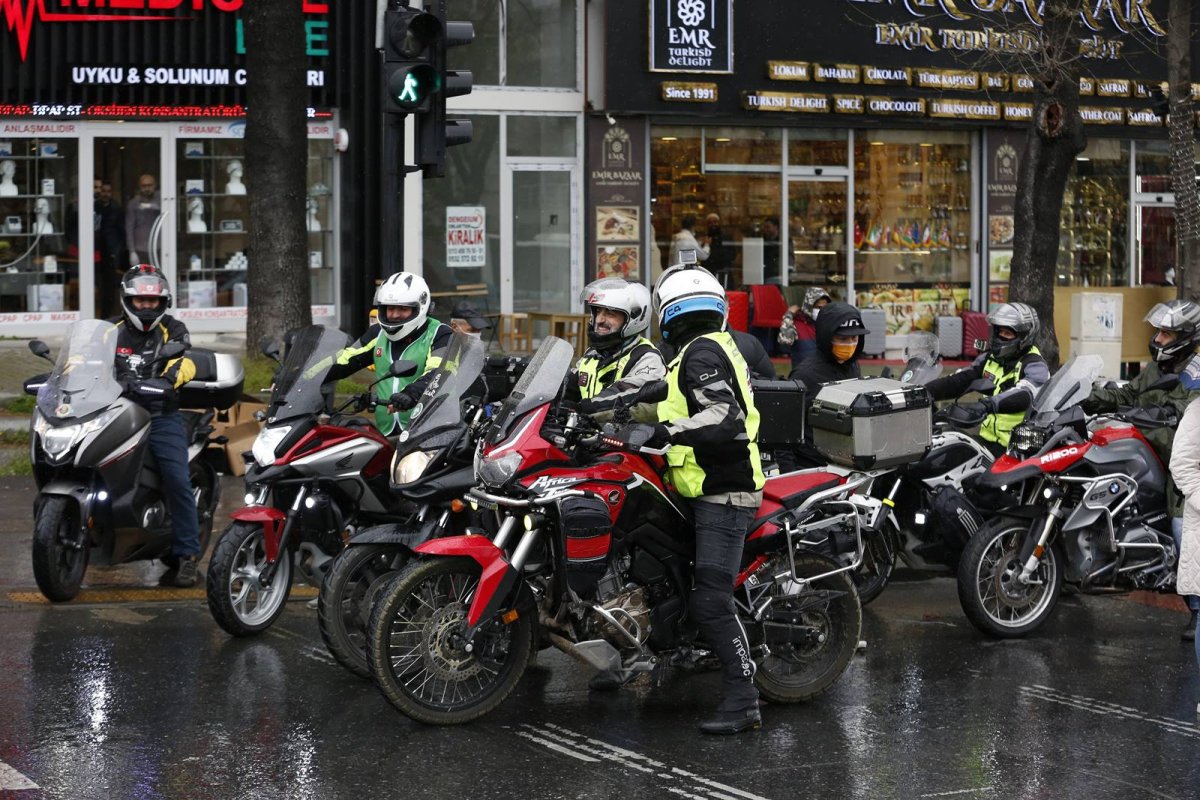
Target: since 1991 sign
x=691 y=36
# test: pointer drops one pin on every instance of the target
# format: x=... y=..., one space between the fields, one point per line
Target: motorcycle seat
x=790 y=491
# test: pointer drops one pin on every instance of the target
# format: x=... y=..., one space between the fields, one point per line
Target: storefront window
x=1092 y=242
x=39 y=253
x=482 y=58
x=1154 y=166
x=214 y=222
x=818 y=147
x=743 y=146
x=912 y=225
x=552 y=137
x=540 y=49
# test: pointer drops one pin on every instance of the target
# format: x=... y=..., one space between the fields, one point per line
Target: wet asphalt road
x=149 y=699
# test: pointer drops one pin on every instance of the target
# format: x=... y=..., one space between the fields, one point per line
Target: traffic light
x=434 y=132
x=410 y=74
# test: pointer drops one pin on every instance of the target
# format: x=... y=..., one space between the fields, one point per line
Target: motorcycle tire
x=351 y=586
x=411 y=637
x=60 y=549
x=987 y=587
x=879 y=560
x=829 y=613
x=236 y=600
x=206 y=488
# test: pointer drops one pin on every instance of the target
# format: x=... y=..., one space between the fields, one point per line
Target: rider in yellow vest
x=619 y=359
x=711 y=424
x=1014 y=366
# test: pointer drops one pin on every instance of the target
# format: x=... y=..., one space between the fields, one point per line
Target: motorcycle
x=432 y=468
x=1092 y=511
x=99 y=494
x=312 y=479
x=593 y=555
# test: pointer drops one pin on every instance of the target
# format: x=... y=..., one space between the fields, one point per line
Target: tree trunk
x=279 y=295
x=1055 y=137
x=1183 y=137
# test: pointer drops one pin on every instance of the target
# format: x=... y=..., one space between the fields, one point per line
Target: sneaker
x=1189 y=630
x=187 y=574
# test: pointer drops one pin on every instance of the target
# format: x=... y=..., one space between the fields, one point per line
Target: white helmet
x=688 y=294
x=617 y=294
x=402 y=289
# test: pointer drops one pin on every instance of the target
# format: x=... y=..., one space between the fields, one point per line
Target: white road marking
x=958 y=791
x=558 y=748
x=318 y=654
x=1091 y=704
x=11 y=780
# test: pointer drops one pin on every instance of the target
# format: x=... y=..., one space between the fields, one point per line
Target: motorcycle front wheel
x=348 y=593
x=879 y=559
x=206 y=489
x=236 y=597
x=60 y=549
x=989 y=590
x=811 y=633
x=417 y=653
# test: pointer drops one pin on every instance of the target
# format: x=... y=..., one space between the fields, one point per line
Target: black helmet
x=1023 y=321
x=145 y=280
x=1181 y=317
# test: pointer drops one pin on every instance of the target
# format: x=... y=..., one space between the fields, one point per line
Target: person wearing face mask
x=619 y=359
x=465 y=318
x=798 y=330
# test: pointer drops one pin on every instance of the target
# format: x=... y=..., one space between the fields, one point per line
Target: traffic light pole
x=391 y=229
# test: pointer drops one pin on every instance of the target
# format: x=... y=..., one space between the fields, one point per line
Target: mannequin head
x=234 y=169
x=8 y=169
x=195 y=207
x=41 y=207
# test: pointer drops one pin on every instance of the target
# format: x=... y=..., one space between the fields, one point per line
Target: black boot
x=725 y=723
x=1189 y=630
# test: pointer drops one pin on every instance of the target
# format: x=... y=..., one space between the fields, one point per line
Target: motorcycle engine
x=630 y=610
x=1150 y=558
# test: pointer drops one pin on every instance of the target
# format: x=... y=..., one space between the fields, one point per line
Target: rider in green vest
x=1014 y=366
x=404 y=330
x=619 y=359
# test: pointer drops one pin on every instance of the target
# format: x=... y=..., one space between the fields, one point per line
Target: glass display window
x=743 y=146
x=39 y=224
x=818 y=147
x=1093 y=249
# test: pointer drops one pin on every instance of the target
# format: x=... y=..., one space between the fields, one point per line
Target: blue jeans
x=1193 y=602
x=168 y=442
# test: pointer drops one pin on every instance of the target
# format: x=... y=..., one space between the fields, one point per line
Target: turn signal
x=509 y=617
x=457 y=506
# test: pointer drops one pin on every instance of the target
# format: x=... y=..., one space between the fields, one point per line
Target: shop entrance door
x=130 y=207
x=544 y=240
x=816 y=231
x=1155 y=246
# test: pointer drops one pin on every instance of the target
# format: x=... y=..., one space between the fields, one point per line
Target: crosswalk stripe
x=11 y=780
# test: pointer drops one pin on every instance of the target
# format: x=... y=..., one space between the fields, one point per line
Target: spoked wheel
x=990 y=590
x=420 y=657
x=811 y=632
x=879 y=559
x=238 y=600
x=60 y=549
x=348 y=594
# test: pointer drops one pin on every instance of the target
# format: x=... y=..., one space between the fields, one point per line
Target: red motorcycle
x=1091 y=510
x=594 y=556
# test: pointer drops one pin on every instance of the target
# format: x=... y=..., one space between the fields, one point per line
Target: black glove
x=588 y=406
x=401 y=401
x=639 y=435
x=968 y=413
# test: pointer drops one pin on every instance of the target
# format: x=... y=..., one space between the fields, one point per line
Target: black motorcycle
x=99 y=495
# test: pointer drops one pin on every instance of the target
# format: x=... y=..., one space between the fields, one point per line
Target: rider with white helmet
x=619 y=359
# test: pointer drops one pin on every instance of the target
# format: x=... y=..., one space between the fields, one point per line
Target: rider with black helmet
x=143 y=329
x=1015 y=367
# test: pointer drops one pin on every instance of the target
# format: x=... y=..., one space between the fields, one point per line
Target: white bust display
x=7 y=170
x=314 y=225
x=195 y=221
x=41 y=224
x=235 y=185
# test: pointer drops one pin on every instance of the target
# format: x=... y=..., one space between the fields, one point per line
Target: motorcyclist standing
x=1015 y=367
x=798 y=330
x=1170 y=381
x=143 y=329
x=619 y=359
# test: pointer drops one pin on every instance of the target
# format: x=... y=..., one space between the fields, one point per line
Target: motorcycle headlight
x=1027 y=439
x=411 y=467
x=496 y=472
x=266 y=442
x=57 y=441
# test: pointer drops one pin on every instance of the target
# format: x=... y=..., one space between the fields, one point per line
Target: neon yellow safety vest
x=594 y=378
x=998 y=427
x=419 y=350
x=684 y=471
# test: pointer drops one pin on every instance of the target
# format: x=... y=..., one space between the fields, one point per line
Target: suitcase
x=872 y=423
x=950 y=336
x=876 y=340
x=781 y=409
x=975 y=326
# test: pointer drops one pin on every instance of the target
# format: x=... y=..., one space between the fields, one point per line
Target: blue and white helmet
x=686 y=291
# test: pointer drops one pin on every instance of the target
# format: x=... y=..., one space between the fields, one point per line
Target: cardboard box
x=245 y=411
x=241 y=438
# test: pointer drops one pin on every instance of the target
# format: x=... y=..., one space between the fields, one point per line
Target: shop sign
x=964 y=109
x=616 y=196
x=789 y=70
x=466 y=236
x=1018 y=112
x=691 y=36
x=848 y=103
x=1093 y=115
x=1113 y=87
x=1144 y=118
x=893 y=106
x=840 y=73
x=1022 y=83
x=1087 y=85
x=947 y=79
x=689 y=92
x=785 y=101
x=887 y=76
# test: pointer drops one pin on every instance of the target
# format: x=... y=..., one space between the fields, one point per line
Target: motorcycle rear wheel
x=236 y=599
x=347 y=596
x=829 y=608
x=879 y=560
x=59 y=566
x=416 y=659
x=988 y=590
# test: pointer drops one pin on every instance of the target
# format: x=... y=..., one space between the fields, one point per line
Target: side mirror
x=40 y=349
x=403 y=368
x=269 y=348
x=654 y=392
x=32 y=385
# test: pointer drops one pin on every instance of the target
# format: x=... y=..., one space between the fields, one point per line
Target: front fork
x=281 y=551
x=1039 y=549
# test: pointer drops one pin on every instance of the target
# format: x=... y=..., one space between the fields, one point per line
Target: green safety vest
x=419 y=350
x=683 y=470
x=594 y=378
x=998 y=427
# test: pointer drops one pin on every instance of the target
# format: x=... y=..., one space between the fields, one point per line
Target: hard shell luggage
x=872 y=423
x=781 y=410
x=217 y=382
x=975 y=326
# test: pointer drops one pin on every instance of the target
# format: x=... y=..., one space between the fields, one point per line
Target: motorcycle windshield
x=83 y=381
x=922 y=353
x=1069 y=387
x=437 y=417
x=539 y=384
x=300 y=383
